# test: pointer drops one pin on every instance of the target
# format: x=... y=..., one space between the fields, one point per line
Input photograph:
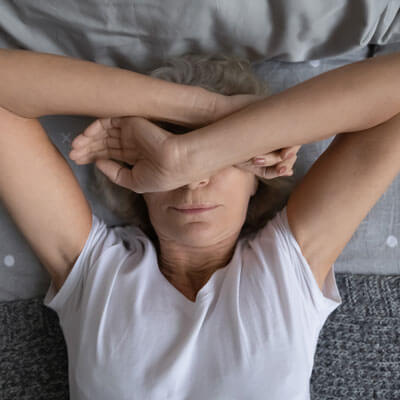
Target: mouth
x=194 y=210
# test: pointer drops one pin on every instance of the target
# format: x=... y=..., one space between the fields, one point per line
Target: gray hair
x=221 y=74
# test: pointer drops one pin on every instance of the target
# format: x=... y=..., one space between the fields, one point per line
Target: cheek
x=154 y=199
x=238 y=192
x=236 y=205
x=236 y=179
x=157 y=204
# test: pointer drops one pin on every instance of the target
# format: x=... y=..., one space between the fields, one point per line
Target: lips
x=195 y=206
x=194 y=210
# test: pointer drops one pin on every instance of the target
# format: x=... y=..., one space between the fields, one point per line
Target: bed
x=288 y=42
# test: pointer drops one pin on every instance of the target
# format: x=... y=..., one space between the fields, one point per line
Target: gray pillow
x=370 y=250
x=139 y=36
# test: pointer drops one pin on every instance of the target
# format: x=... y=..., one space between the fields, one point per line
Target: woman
x=245 y=319
x=225 y=76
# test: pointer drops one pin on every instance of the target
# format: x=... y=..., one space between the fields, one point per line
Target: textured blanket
x=357 y=355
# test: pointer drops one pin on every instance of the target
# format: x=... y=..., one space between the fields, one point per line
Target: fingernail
x=259 y=161
x=289 y=155
x=282 y=170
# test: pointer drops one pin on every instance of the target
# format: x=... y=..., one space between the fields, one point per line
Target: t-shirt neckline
x=205 y=292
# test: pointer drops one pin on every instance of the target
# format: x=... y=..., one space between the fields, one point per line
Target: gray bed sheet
x=139 y=34
x=89 y=30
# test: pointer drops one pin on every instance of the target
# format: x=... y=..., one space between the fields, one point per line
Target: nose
x=200 y=183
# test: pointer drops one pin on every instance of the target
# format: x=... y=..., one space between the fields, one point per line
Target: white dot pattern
x=9 y=260
x=315 y=63
x=391 y=241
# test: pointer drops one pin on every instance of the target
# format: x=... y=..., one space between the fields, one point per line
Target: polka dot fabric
x=374 y=248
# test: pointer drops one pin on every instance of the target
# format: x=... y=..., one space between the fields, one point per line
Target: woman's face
x=230 y=190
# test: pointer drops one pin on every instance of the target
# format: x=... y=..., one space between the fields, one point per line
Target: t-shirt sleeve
x=97 y=242
x=296 y=273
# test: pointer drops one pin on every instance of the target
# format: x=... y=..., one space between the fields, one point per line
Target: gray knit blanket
x=357 y=357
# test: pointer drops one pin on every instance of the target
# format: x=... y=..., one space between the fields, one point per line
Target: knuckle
x=118 y=177
x=291 y=160
x=272 y=158
x=171 y=155
x=267 y=173
x=167 y=153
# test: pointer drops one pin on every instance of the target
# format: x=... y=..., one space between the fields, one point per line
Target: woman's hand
x=135 y=141
x=272 y=165
x=142 y=144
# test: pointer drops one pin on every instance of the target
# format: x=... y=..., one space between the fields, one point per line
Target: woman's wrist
x=190 y=106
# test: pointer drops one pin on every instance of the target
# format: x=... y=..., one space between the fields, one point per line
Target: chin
x=195 y=234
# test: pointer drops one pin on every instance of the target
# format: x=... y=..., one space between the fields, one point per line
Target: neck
x=190 y=267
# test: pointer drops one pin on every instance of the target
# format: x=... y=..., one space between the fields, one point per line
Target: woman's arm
x=42 y=195
x=354 y=97
x=34 y=84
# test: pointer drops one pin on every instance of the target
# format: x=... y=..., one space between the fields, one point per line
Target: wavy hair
x=221 y=74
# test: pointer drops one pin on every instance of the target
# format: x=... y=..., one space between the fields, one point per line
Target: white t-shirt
x=251 y=334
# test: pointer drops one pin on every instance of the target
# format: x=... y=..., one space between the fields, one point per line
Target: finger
x=95 y=146
x=267 y=159
x=262 y=172
x=83 y=140
x=114 y=154
x=288 y=163
x=270 y=172
x=288 y=152
x=284 y=168
x=104 y=148
x=114 y=132
x=105 y=123
x=116 y=173
x=267 y=173
x=273 y=172
x=284 y=171
x=273 y=161
x=95 y=127
x=116 y=122
x=128 y=156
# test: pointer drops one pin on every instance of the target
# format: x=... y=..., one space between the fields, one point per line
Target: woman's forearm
x=34 y=84
x=348 y=99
